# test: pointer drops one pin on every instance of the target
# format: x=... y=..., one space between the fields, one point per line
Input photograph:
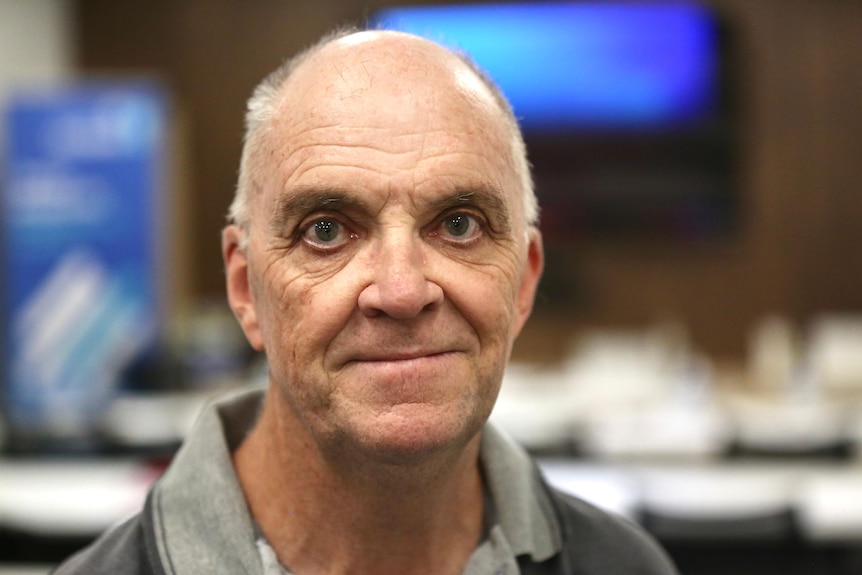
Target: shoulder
x=602 y=542
x=121 y=550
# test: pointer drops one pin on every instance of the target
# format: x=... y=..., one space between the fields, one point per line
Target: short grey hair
x=265 y=101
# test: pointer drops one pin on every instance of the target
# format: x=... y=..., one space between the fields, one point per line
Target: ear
x=530 y=279
x=239 y=293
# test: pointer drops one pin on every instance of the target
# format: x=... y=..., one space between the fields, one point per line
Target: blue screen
x=601 y=65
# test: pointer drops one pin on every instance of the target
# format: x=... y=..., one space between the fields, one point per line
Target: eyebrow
x=298 y=203
x=489 y=199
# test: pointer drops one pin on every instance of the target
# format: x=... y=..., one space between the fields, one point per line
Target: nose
x=399 y=287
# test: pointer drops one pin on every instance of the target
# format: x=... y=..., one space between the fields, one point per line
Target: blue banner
x=80 y=264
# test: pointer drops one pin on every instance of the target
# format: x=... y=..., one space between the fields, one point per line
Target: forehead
x=394 y=103
x=373 y=71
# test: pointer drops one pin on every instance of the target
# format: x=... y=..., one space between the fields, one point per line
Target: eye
x=460 y=226
x=326 y=233
x=326 y=230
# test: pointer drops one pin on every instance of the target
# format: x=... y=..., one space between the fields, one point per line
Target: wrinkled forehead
x=408 y=95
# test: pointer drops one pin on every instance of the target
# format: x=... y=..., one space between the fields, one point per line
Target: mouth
x=410 y=373
x=398 y=357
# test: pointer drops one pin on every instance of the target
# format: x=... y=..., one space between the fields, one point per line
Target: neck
x=324 y=516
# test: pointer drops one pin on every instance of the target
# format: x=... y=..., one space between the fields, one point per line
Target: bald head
x=386 y=78
x=383 y=76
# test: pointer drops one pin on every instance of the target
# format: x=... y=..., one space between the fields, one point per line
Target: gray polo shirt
x=201 y=514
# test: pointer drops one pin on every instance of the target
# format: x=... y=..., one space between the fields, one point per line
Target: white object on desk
x=829 y=506
x=534 y=407
x=718 y=492
x=835 y=352
x=70 y=498
x=789 y=424
x=611 y=489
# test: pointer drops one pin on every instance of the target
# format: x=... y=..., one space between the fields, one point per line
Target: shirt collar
x=523 y=506
x=202 y=523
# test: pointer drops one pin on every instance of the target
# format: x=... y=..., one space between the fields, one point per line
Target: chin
x=410 y=434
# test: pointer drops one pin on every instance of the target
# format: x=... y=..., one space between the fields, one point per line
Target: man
x=383 y=254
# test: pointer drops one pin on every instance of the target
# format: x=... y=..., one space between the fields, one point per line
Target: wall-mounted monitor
x=625 y=107
x=594 y=65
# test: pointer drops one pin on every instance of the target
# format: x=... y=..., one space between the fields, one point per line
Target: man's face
x=389 y=267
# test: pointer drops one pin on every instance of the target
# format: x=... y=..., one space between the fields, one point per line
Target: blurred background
x=695 y=358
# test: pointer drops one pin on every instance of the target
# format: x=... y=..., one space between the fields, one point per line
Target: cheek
x=302 y=312
x=485 y=296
